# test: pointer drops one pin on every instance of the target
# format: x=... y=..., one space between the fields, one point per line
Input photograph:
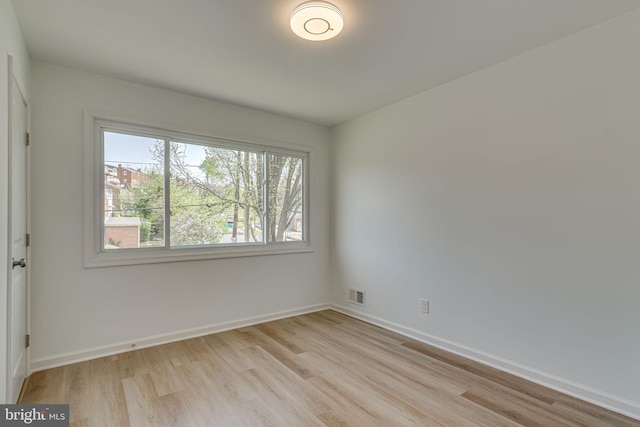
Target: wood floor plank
x=231 y=347
x=601 y=416
x=518 y=407
x=281 y=353
x=282 y=335
x=318 y=369
x=534 y=390
x=522 y=416
x=143 y=405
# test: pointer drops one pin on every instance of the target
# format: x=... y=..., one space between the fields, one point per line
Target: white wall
x=76 y=310
x=11 y=43
x=511 y=199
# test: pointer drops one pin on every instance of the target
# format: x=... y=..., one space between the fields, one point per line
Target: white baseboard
x=94 y=353
x=599 y=398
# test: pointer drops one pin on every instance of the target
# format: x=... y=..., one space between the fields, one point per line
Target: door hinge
x=27 y=341
x=27 y=139
x=28 y=240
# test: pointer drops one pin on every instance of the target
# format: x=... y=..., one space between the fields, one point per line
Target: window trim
x=93 y=196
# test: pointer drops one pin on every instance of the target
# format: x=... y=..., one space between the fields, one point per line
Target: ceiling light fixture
x=316 y=20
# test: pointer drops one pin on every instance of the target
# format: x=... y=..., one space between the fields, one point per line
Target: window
x=194 y=197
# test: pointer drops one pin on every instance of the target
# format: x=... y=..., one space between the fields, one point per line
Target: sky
x=135 y=151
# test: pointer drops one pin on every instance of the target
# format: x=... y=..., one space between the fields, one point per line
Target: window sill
x=125 y=257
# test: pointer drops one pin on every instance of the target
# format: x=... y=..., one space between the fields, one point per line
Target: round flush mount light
x=316 y=20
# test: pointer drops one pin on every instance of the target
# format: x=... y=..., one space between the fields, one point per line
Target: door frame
x=11 y=78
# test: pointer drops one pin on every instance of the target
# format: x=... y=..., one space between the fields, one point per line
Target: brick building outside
x=120 y=232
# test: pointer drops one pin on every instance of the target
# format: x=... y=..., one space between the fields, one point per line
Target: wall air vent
x=356 y=296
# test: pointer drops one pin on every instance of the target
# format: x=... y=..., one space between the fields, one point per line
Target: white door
x=17 y=292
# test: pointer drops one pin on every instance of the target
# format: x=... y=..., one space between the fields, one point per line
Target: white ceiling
x=243 y=52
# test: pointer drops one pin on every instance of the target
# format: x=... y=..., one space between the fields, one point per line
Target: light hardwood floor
x=319 y=369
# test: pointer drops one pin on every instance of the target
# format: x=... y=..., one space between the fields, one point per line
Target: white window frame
x=93 y=196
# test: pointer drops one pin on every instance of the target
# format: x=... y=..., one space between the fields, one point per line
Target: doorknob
x=22 y=263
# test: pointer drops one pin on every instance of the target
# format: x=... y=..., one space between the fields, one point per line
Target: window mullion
x=265 y=198
x=303 y=206
x=167 y=193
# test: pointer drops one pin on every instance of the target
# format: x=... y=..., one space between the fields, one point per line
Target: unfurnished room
x=310 y=213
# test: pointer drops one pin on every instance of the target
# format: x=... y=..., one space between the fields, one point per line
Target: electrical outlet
x=424 y=306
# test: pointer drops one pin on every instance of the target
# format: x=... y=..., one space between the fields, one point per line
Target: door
x=17 y=292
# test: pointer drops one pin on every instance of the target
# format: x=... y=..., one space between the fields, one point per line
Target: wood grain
x=319 y=369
